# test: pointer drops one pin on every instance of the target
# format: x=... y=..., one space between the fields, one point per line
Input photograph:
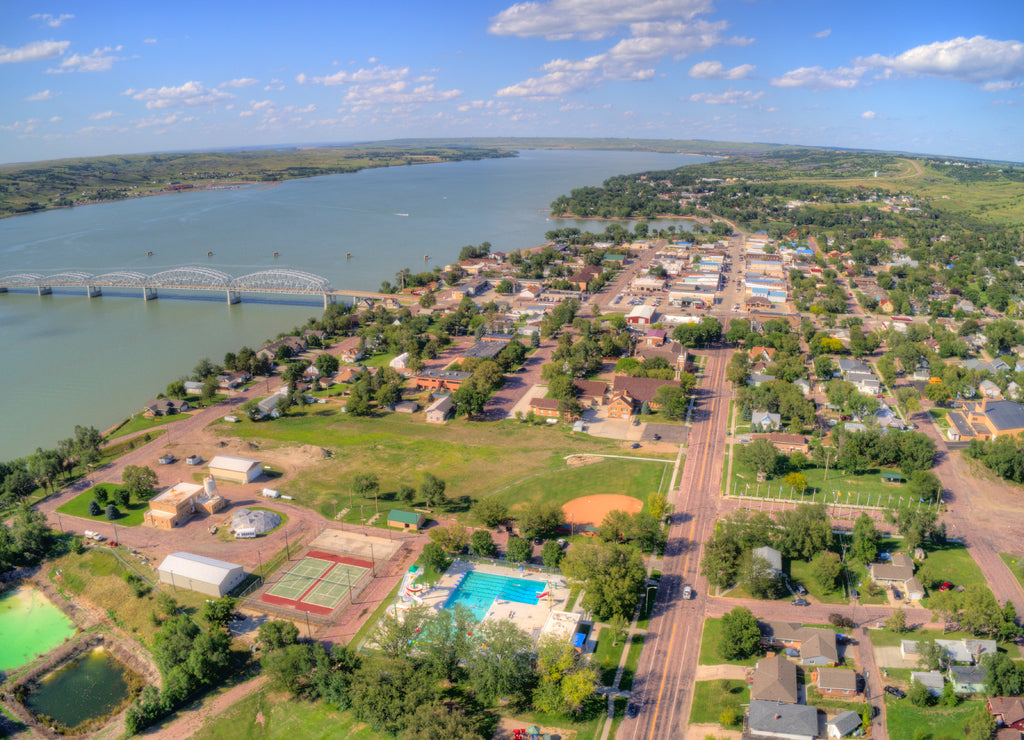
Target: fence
x=507 y=564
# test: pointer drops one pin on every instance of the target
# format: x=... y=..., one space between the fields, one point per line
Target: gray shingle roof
x=797 y=720
x=845 y=723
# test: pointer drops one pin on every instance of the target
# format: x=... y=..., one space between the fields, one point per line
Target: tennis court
x=318 y=583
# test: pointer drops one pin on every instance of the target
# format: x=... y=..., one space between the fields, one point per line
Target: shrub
x=94 y=508
x=99 y=494
x=112 y=512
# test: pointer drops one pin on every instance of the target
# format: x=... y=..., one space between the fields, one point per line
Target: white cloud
x=397 y=93
x=156 y=121
x=715 y=71
x=380 y=73
x=103 y=115
x=21 y=127
x=240 y=82
x=819 y=78
x=55 y=119
x=33 y=51
x=149 y=41
x=53 y=21
x=588 y=19
x=977 y=59
x=822 y=34
x=42 y=95
x=190 y=95
x=100 y=60
x=869 y=115
x=1001 y=85
x=729 y=97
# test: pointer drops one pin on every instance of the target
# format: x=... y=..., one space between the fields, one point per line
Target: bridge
x=281 y=281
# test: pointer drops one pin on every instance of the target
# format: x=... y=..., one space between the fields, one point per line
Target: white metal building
x=235 y=469
x=199 y=573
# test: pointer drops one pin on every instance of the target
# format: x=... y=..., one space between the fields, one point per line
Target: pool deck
x=529 y=618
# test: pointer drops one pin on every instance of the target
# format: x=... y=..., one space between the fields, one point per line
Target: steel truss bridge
x=282 y=281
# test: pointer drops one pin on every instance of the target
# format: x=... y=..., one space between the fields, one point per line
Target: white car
x=687 y=593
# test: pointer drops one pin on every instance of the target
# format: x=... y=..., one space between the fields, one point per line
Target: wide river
x=70 y=360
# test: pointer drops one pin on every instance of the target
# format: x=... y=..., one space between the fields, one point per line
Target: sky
x=93 y=77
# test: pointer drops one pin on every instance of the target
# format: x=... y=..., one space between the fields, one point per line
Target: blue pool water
x=477 y=592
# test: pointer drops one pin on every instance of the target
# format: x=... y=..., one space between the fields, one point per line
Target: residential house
x=1008 y=711
x=295 y=346
x=1013 y=391
x=758 y=379
x=634 y=392
x=967 y=651
x=547 y=407
x=789 y=721
x=804 y=385
x=193 y=387
x=762 y=353
x=967 y=679
x=164 y=407
x=654 y=338
x=836 y=681
x=349 y=349
x=770 y=555
x=843 y=724
x=439 y=411
x=765 y=421
x=400 y=363
x=774 y=680
x=898 y=572
x=590 y=393
x=931 y=680
x=406 y=407
x=815 y=646
x=582 y=279
x=268 y=406
x=989 y=389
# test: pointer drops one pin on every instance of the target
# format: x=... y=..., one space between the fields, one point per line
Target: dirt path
x=189 y=721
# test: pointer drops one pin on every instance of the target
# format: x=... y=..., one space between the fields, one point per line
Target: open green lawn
x=139 y=422
x=711 y=697
x=516 y=461
x=606 y=657
x=636 y=645
x=904 y=720
x=866 y=489
x=803 y=573
x=950 y=562
x=1016 y=565
x=131 y=515
x=709 y=645
x=269 y=715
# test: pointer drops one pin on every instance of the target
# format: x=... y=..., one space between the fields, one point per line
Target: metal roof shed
x=199 y=573
x=235 y=469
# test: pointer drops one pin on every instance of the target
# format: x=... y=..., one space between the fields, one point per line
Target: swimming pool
x=477 y=591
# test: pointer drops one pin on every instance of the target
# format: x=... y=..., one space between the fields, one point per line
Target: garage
x=235 y=469
x=200 y=573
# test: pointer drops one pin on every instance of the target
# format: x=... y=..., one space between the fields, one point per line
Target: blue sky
x=84 y=78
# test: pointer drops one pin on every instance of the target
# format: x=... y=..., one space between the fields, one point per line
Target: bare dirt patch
x=591 y=510
x=575 y=461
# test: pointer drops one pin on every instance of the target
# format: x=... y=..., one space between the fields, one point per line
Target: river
x=70 y=360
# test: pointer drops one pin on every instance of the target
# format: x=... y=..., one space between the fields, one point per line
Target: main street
x=668 y=663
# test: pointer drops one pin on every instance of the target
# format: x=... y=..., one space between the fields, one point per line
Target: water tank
x=210 y=485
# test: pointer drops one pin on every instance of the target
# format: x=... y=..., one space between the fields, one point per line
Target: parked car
x=687 y=593
x=632 y=710
x=635 y=446
x=800 y=602
x=946 y=586
x=657 y=437
x=801 y=590
x=893 y=691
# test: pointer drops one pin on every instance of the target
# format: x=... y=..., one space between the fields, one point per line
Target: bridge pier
x=330 y=299
x=93 y=291
x=234 y=297
x=45 y=290
x=3 y=289
x=149 y=294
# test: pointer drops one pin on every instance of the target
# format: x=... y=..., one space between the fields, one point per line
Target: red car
x=946 y=586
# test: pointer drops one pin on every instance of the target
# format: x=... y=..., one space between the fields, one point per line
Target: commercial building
x=202 y=574
x=181 y=502
x=235 y=469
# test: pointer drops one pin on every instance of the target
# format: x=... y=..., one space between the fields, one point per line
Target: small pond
x=39 y=625
x=90 y=686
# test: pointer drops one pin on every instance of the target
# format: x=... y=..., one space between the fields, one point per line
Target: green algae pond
x=39 y=625
x=91 y=686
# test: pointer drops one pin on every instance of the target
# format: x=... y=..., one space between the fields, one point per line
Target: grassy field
x=711 y=639
x=140 y=423
x=711 y=697
x=269 y=715
x=802 y=573
x=475 y=460
x=131 y=515
x=1015 y=564
x=951 y=563
x=636 y=645
x=606 y=657
x=904 y=720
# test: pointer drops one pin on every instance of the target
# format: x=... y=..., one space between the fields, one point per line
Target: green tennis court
x=298 y=580
x=330 y=591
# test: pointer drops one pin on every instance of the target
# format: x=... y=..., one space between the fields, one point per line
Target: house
x=931 y=680
x=967 y=651
x=406 y=520
x=770 y=555
x=989 y=389
x=967 y=679
x=439 y=411
x=180 y=502
x=988 y=419
x=758 y=379
x=164 y=407
x=843 y=724
x=804 y=385
x=1008 y=711
x=349 y=349
x=198 y=573
x=836 y=681
x=774 y=680
x=629 y=394
x=762 y=353
x=448 y=380
x=786 y=443
x=897 y=571
x=293 y=345
x=815 y=646
x=268 y=406
x=193 y=387
x=400 y=363
x=765 y=421
x=235 y=469
x=547 y=407
x=590 y=393
x=789 y=721
x=654 y=338
x=582 y=279
x=621 y=405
